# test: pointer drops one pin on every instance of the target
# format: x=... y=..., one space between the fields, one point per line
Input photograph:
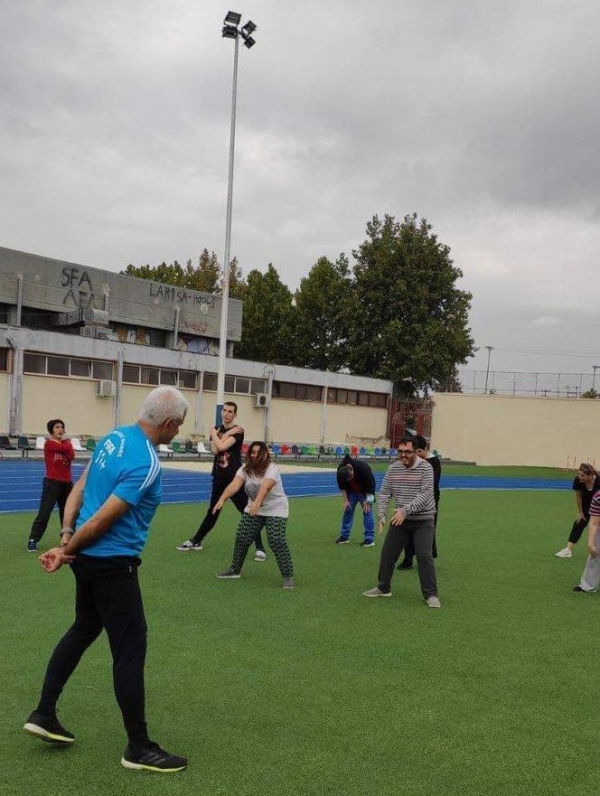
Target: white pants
x=591 y=574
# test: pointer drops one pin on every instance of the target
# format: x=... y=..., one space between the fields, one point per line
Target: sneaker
x=32 y=546
x=189 y=545
x=152 y=758
x=288 y=584
x=585 y=591
x=260 y=555
x=229 y=573
x=47 y=728
x=342 y=540
x=566 y=552
x=433 y=601
x=406 y=564
x=376 y=592
x=367 y=544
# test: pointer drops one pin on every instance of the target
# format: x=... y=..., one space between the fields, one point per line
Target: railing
x=556 y=385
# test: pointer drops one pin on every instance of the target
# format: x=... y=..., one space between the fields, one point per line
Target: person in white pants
x=591 y=574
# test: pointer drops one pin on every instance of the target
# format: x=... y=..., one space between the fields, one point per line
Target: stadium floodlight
x=230 y=31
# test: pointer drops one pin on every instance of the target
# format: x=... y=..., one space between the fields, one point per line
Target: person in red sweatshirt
x=58 y=455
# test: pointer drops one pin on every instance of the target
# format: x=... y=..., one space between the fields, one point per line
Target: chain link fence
x=500 y=382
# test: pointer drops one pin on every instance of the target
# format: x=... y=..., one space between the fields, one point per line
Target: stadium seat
x=363 y=451
x=5 y=443
x=75 y=442
x=189 y=446
x=90 y=444
x=339 y=451
x=285 y=450
x=177 y=447
x=24 y=446
x=39 y=443
x=165 y=450
x=201 y=450
x=276 y=449
x=354 y=451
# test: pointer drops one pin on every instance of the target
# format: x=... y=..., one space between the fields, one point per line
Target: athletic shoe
x=376 y=592
x=152 y=758
x=566 y=552
x=367 y=544
x=228 y=574
x=342 y=540
x=189 y=545
x=288 y=583
x=585 y=591
x=406 y=564
x=32 y=546
x=433 y=601
x=48 y=728
x=260 y=555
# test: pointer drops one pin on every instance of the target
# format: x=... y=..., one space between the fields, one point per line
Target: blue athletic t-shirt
x=124 y=464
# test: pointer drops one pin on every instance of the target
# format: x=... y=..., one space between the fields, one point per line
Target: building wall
x=514 y=430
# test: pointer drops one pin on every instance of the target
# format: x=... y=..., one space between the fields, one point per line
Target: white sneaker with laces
x=566 y=552
x=433 y=601
x=260 y=555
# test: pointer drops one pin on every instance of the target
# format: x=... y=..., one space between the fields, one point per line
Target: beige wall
x=85 y=414
x=498 y=429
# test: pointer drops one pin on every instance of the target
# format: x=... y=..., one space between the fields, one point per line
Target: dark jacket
x=362 y=473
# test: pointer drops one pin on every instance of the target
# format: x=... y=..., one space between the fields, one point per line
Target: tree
x=322 y=316
x=409 y=318
x=267 y=324
x=204 y=277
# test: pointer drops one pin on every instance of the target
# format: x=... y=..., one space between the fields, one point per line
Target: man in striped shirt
x=410 y=482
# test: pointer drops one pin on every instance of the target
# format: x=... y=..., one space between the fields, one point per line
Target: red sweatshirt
x=58 y=457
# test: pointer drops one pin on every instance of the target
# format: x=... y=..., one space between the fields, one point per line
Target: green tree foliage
x=409 y=318
x=267 y=324
x=321 y=317
x=205 y=277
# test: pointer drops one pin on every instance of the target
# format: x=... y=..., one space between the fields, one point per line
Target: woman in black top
x=585 y=485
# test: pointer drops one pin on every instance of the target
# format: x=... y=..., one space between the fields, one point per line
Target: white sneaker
x=184 y=547
x=260 y=555
x=566 y=552
x=433 y=602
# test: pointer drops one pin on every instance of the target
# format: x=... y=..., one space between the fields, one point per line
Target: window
x=102 y=370
x=168 y=377
x=210 y=382
x=34 y=363
x=57 y=366
x=131 y=374
x=229 y=383
x=149 y=376
x=257 y=385
x=187 y=379
x=42 y=364
x=297 y=392
x=81 y=368
x=242 y=385
x=3 y=359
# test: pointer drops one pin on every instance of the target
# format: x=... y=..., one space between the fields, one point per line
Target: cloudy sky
x=478 y=115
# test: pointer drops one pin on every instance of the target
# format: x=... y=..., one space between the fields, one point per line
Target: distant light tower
x=594 y=368
x=231 y=30
x=490 y=348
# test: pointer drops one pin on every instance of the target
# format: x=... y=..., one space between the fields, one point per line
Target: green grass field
x=321 y=691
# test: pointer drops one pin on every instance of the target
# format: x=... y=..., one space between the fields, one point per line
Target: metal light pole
x=487 y=372
x=230 y=31
x=594 y=368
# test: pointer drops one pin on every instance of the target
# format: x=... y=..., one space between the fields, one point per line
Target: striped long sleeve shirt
x=411 y=488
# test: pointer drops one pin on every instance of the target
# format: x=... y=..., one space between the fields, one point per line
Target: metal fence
x=500 y=382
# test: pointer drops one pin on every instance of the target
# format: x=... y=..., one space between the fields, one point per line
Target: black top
x=586 y=494
x=227 y=463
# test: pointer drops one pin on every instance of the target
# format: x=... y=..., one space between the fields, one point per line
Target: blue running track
x=21 y=484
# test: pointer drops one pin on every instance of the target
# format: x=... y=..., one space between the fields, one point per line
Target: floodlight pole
x=487 y=372
x=225 y=292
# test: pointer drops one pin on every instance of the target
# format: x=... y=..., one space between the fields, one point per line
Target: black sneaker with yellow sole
x=48 y=728
x=152 y=758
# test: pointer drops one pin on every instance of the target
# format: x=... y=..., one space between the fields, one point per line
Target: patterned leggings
x=246 y=533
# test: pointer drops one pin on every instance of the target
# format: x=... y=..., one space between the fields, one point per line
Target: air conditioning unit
x=261 y=400
x=106 y=388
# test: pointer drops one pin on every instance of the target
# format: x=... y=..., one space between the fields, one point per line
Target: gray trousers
x=591 y=574
x=422 y=533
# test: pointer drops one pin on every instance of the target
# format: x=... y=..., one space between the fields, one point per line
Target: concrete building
x=86 y=345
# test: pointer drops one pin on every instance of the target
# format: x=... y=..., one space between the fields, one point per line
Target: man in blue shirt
x=106 y=524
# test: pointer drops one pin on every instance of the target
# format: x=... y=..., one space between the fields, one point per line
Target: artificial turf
x=321 y=691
